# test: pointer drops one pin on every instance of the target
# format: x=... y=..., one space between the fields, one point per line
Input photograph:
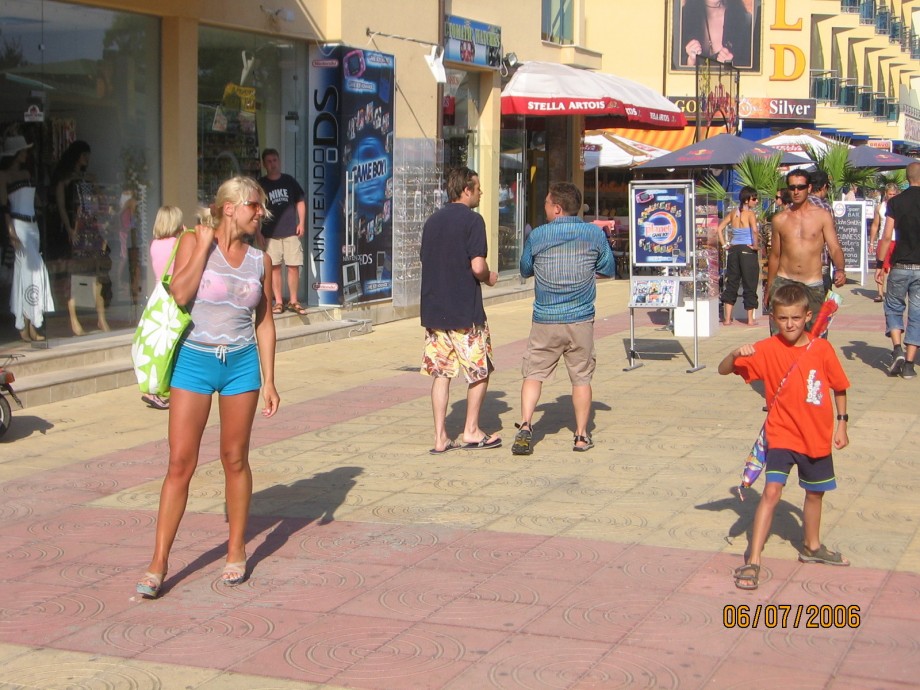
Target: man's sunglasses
x=797 y=187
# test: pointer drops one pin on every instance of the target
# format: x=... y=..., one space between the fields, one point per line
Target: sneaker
x=523 y=441
x=907 y=371
x=897 y=362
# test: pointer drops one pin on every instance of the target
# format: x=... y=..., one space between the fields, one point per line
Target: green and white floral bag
x=156 y=340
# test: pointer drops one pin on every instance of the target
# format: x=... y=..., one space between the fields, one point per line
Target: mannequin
x=78 y=208
x=31 y=294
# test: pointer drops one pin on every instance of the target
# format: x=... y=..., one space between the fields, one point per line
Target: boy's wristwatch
x=843 y=418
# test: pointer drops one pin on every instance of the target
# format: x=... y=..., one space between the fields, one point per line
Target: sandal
x=278 y=308
x=451 y=445
x=589 y=444
x=155 y=401
x=822 y=555
x=234 y=573
x=747 y=576
x=297 y=308
x=150 y=585
x=523 y=440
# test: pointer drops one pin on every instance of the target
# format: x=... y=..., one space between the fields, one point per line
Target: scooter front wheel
x=6 y=415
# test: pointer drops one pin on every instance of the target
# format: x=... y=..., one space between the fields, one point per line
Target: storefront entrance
x=81 y=88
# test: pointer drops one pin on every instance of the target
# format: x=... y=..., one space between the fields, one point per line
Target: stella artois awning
x=541 y=89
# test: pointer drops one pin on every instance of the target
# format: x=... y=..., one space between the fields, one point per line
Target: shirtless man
x=799 y=235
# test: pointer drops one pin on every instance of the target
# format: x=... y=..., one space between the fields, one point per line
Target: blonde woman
x=224 y=282
x=166 y=230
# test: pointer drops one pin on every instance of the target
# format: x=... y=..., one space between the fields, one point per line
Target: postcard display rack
x=709 y=266
x=663 y=235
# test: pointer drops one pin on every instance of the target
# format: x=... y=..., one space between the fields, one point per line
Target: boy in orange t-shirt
x=800 y=425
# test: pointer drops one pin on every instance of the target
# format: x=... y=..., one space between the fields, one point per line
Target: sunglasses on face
x=797 y=187
x=250 y=203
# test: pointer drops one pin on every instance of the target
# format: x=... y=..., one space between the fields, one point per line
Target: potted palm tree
x=835 y=161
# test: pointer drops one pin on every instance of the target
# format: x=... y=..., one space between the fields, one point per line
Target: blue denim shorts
x=207 y=369
x=903 y=294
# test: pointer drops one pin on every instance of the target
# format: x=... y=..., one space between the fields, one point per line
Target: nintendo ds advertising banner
x=350 y=180
x=660 y=218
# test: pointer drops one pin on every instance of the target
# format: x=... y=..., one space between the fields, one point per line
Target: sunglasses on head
x=797 y=187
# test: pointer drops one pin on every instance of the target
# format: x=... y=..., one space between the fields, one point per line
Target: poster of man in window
x=724 y=30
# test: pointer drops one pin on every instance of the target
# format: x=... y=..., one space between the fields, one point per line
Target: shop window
x=251 y=96
x=559 y=21
x=461 y=119
x=70 y=74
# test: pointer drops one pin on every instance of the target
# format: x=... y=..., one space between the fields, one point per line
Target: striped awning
x=670 y=139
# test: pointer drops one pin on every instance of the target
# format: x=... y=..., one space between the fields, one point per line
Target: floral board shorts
x=447 y=352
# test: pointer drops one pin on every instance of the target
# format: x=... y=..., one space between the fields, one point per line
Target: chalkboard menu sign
x=850 y=217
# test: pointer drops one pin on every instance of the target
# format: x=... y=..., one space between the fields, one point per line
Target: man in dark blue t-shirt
x=283 y=232
x=453 y=255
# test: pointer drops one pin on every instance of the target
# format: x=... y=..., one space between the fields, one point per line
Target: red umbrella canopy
x=544 y=88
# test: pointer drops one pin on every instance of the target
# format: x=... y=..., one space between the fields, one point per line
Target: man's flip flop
x=484 y=444
x=451 y=445
x=747 y=576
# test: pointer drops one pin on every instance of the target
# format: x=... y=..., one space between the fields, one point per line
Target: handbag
x=156 y=340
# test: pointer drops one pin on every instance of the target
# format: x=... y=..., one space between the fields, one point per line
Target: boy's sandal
x=589 y=444
x=150 y=584
x=822 y=555
x=297 y=308
x=747 y=576
x=278 y=309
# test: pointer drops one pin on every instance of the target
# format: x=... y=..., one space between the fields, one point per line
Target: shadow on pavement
x=787 y=520
x=23 y=426
x=873 y=356
x=281 y=511
x=651 y=350
x=490 y=414
x=559 y=416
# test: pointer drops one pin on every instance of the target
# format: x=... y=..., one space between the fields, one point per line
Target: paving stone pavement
x=374 y=565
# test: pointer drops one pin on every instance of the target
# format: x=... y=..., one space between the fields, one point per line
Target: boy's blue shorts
x=207 y=369
x=815 y=474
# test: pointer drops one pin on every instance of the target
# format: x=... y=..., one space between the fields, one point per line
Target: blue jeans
x=903 y=292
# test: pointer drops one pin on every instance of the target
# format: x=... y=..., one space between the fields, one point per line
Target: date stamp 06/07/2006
x=822 y=617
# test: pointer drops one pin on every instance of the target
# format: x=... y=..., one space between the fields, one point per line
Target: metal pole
x=691 y=223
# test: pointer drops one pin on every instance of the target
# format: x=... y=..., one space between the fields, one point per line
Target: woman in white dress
x=30 y=297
